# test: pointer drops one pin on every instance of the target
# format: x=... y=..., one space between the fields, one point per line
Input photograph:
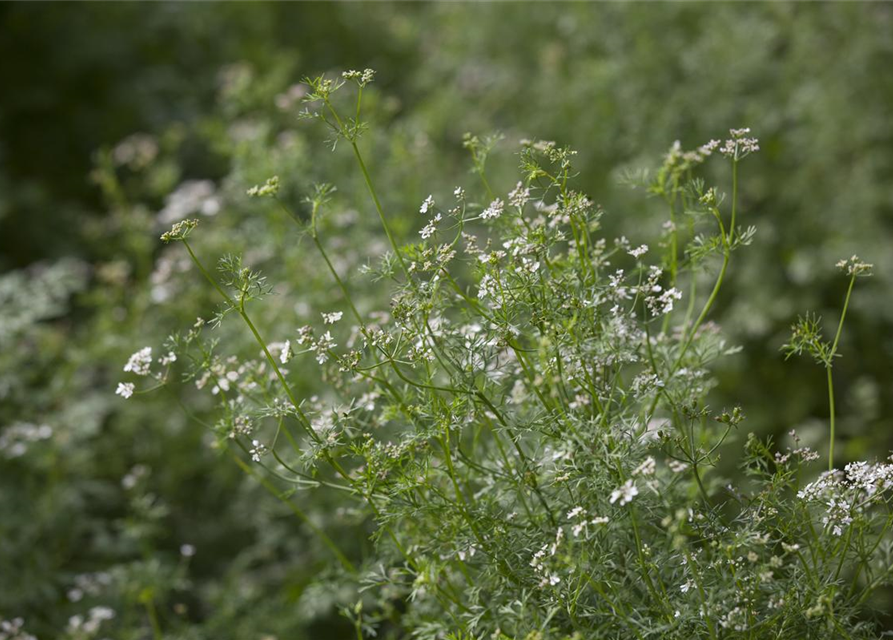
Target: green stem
x=831 y=406
x=846 y=304
x=384 y=222
x=828 y=367
x=734 y=200
x=240 y=309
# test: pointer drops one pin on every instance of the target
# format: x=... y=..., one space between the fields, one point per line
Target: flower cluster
x=268 y=189
x=179 y=231
x=739 y=145
x=855 y=267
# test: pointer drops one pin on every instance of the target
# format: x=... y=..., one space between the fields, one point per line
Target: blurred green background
x=117 y=119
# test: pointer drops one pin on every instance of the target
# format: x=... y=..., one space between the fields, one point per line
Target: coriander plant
x=521 y=417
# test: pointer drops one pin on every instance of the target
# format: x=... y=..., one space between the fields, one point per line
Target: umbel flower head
x=855 y=267
x=180 y=231
x=267 y=190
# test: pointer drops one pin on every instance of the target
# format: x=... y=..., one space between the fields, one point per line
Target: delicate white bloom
x=459 y=192
x=709 y=148
x=305 y=334
x=431 y=228
x=125 y=389
x=663 y=303
x=332 y=318
x=140 y=362
x=487 y=287
x=646 y=468
x=257 y=450
x=322 y=347
x=285 y=354
x=362 y=78
x=466 y=553
x=168 y=359
x=645 y=383
x=427 y=205
x=242 y=426
x=519 y=196
x=624 y=493
x=677 y=466
x=576 y=511
x=638 y=252
x=559 y=536
x=494 y=210
x=739 y=146
x=855 y=267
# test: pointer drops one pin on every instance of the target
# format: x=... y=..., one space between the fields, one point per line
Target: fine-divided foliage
x=522 y=419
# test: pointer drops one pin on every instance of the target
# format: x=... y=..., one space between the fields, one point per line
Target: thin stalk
x=828 y=367
x=734 y=200
x=831 y=407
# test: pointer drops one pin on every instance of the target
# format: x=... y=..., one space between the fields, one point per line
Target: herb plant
x=523 y=421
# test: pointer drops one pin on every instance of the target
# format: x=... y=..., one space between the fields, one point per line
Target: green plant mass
x=342 y=326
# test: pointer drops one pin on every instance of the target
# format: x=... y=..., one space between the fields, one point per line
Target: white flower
x=573 y=513
x=285 y=355
x=708 y=148
x=332 y=318
x=494 y=210
x=639 y=252
x=855 y=267
x=427 y=205
x=519 y=196
x=170 y=358
x=429 y=229
x=677 y=466
x=625 y=493
x=125 y=389
x=323 y=346
x=487 y=287
x=646 y=468
x=459 y=192
x=257 y=450
x=140 y=362
x=739 y=146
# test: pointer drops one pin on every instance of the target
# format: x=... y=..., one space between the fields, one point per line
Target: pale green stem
x=828 y=367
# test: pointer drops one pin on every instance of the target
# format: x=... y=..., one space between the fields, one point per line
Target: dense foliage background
x=117 y=118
